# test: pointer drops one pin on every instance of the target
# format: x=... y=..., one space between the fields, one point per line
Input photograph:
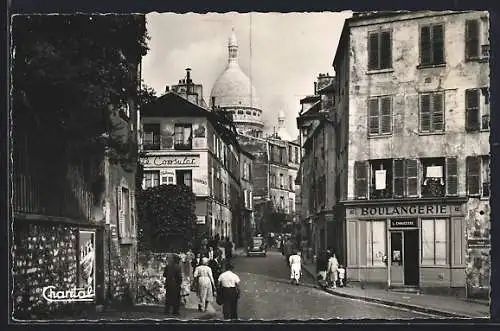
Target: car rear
x=257 y=247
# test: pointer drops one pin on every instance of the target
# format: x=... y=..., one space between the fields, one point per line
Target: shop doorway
x=404 y=258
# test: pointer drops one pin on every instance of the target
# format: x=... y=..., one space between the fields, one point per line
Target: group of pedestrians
x=330 y=272
x=208 y=272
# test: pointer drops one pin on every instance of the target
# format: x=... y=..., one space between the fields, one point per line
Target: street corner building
x=185 y=142
x=412 y=110
x=73 y=208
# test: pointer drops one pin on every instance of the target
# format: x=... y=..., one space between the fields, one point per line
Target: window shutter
x=438 y=44
x=386 y=112
x=437 y=112
x=411 y=177
x=361 y=180
x=472 y=109
x=399 y=177
x=473 y=171
x=471 y=39
x=373 y=116
x=131 y=229
x=425 y=112
x=425 y=45
x=120 y=212
x=373 y=61
x=451 y=176
x=385 y=50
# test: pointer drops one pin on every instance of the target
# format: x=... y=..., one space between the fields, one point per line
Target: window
x=245 y=170
x=290 y=182
x=477 y=110
x=472 y=39
x=361 y=180
x=432 y=44
x=381 y=178
x=282 y=181
x=151 y=179
x=380 y=115
x=297 y=155
x=282 y=203
x=478 y=176
x=432 y=112
x=290 y=153
x=379 y=50
x=434 y=242
x=151 y=136
x=375 y=243
x=167 y=180
x=182 y=136
x=290 y=205
x=411 y=166
x=433 y=183
x=283 y=155
x=124 y=212
x=184 y=177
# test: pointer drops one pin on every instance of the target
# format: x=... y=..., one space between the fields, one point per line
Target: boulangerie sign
x=380 y=176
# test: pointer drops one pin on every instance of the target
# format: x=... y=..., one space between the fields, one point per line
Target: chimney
x=315 y=87
x=167 y=88
x=188 y=75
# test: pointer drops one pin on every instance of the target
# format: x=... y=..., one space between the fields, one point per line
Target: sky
x=282 y=53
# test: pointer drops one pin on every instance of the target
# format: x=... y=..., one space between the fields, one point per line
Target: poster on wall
x=86 y=265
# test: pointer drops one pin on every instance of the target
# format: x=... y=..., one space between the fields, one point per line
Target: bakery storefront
x=419 y=243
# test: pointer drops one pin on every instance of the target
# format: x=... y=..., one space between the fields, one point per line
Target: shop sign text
x=169 y=161
x=405 y=210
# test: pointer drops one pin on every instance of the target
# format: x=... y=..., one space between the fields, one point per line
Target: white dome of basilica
x=233 y=87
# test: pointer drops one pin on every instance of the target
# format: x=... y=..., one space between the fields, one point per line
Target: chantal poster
x=86 y=265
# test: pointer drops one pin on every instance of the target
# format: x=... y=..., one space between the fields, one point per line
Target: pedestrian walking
x=341 y=276
x=322 y=265
x=173 y=281
x=229 y=292
x=333 y=266
x=210 y=253
x=295 y=262
x=205 y=284
x=228 y=249
x=216 y=266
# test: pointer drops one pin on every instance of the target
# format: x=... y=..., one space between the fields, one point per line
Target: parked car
x=257 y=246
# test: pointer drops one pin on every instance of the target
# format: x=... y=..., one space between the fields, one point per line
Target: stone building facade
x=184 y=143
x=413 y=126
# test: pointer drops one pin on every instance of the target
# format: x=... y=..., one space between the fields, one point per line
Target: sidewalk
x=444 y=306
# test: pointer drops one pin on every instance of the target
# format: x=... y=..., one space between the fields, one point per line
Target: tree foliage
x=74 y=74
x=167 y=219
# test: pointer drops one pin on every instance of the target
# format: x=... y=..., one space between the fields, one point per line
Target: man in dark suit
x=173 y=281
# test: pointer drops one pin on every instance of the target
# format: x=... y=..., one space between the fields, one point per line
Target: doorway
x=404 y=258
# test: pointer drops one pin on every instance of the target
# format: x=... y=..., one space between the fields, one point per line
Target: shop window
x=380 y=116
x=151 y=179
x=183 y=136
x=381 y=179
x=433 y=182
x=151 y=136
x=434 y=242
x=167 y=180
x=184 y=177
x=379 y=50
x=478 y=176
x=375 y=243
x=432 y=45
x=477 y=111
x=431 y=112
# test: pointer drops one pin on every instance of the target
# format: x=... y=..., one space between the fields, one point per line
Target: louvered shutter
x=438 y=44
x=133 y=211
x=473 y=171
x=451 y=176
x=425 y=45
x=373 y=47
x=437 y=112
x=120 y=212
x=472 y=39
x=425 y=112
x=411 y=177
x=373 y=117
x=472 y=109
x=385 y=50
x=386 y=115
x=399 y=177
x=361 y=180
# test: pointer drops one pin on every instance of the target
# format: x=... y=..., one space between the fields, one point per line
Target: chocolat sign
x=408 y=210
x=172 y=161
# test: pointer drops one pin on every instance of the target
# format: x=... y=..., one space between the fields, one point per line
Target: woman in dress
x=206 y=285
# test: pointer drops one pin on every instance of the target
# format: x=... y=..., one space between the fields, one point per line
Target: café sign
x=406 y=210
x=172 y=161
